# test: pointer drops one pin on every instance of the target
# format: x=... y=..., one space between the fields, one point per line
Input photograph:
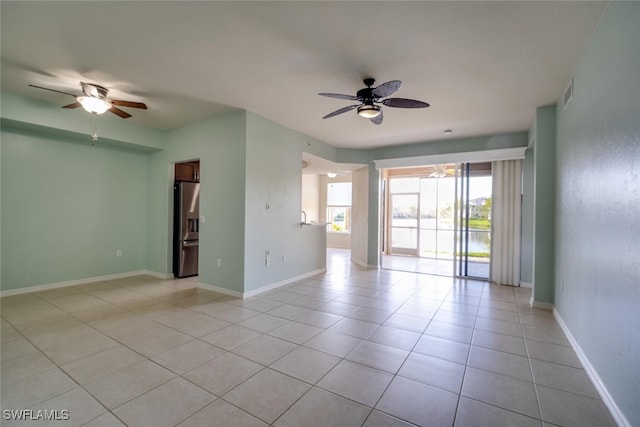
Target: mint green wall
x=67 y=207
x=544 y=146
x=274 y=177
x=219 y=144
x=598 y=206
x=526 y=246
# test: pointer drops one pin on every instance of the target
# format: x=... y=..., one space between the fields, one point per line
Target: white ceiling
x=483 y=66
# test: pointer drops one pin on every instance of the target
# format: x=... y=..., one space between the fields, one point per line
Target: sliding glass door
x=473 y=220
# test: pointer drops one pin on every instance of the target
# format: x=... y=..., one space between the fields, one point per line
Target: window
x=339 y=207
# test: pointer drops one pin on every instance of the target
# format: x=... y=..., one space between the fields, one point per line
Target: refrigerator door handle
x=189 y=244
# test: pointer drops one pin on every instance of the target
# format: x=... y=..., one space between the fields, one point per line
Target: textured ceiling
x=483 y=66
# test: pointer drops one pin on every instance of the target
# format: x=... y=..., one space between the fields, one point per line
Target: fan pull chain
x=94 y=135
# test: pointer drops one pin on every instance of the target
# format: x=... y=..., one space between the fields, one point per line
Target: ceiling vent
x=568 y=94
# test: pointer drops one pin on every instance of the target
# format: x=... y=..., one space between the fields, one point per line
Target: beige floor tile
x=73 y=350
x=120 y=321
x=192 y=323
x=455 y=318
x=17 y=348
x=563 y=377
x=567 y=409
x=59 y=336
x=290 y=312
x=306 y=364
x=553 y=353
x=263 y=322
x=380 y=419
x=231 y=337
x=101 y=364
x=188 y=356
x=472 y=413
x=370 y=315
x=39 y=327
x=355 y=328
x=295 y=332
x=452 y=351
x=234 y=314
x=267 y=394
x=339 y=308
x=449 y=332
x=159 y=340
x=500 y=363
x=222 y=414
x=78 y=302
x=34 y=389
x=418 y=403
x=257 y=304
x=24 y=366
x=166 y=405
x=319 y=319
x=356 y=382
x=80 y=405
x=406 y=322
x=379 y=356
x=394 y=337
x=223 y=373
x=264 y=349
x=548 y=335
x=90 y=314
x=334 y=343
x=104 y=420
x=321 y=408
x=433 y=371
x=120 y=387
x=492 y=313
x=35 y=311
x=506 y=392
x=499 y=326
x=500 y=342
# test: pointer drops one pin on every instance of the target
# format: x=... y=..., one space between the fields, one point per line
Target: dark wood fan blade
x=129 y=104
x=74 y=105
x=340 y=96
x=341 y=110
x=377 y=120
x=119 y=112
x=404 y=103
x=53 y=90
x=386 y=89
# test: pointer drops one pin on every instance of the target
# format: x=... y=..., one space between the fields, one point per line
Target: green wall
x=67 y=207
x=219 y=144
x=274 y=178
x=544 y=182
x=598 y=206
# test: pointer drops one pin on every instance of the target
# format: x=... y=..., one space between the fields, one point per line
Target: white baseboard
x=541 y=305
x=616 y=413
x=158 y=275
x=262 y=289
x=526 y=284
x=220 y=290
x=48 y=286
x=360 y=263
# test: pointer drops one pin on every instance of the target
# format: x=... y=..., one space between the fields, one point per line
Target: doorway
x=438 y=219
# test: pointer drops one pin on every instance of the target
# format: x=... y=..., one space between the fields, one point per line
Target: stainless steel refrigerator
x=186 y=200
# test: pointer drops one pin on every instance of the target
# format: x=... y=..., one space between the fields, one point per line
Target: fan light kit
x=332 y=174
x=96 y=101
x=369 y=97
x=94 y=105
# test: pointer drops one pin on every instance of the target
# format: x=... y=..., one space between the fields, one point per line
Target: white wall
x=311 y=196
x=359 y=215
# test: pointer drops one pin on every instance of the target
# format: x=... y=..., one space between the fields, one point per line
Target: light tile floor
x=346 y=348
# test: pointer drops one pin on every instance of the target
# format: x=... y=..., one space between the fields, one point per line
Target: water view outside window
x=339 y=207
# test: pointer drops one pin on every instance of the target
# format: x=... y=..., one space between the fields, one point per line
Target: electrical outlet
x=118 y=252
x=219 y=262
x=267 y=258
x=562 y=285
x=284 y=258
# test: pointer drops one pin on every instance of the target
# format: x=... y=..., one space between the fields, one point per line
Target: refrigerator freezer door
x=189 y=203
x=188 y=258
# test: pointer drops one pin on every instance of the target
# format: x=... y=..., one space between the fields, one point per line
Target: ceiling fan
x=95 y=99
x=371 y=97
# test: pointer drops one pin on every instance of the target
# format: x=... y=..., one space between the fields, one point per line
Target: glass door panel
x=404 y=224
